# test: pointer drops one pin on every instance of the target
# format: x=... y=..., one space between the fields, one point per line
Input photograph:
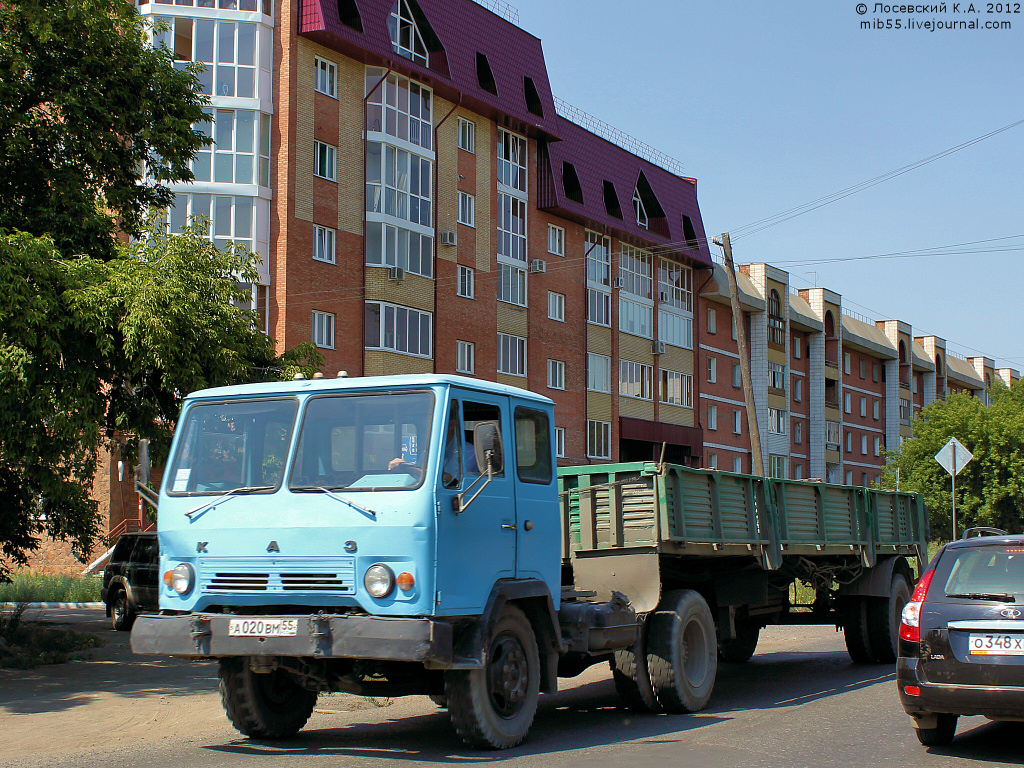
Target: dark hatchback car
x=961 y=648
x=130 y=579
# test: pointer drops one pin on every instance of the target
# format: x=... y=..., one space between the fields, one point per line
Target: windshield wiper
x=329 y=491
x=1002 y=596
x=194 y=513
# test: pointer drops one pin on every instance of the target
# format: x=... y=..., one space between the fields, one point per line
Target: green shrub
x=30 y=587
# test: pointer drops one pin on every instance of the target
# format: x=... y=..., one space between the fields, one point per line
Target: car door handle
x=508 y=526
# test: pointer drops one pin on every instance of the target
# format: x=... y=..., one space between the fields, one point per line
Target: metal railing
x=506 y=11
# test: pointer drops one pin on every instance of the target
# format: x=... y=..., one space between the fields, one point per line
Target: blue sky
x=772 y=105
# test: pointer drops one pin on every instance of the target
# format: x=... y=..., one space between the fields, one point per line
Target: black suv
x=961 y=648
x=130 y=579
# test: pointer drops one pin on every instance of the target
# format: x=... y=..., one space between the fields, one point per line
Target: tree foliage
x=990 y=489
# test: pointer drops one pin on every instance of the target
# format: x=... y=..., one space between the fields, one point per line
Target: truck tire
x=122 y=616
x=631 y=677
x=263 y=705
x=884 y=619
x=941 y=735
x=682 y=651
x=856 y=631
x=741 y=647
x=493 y=707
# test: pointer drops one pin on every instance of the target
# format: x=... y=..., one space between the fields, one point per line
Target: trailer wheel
x=631 y=676
x=494 y=707
x=884 y=620
x=266 y=705
x=741 y=647
x=856 y=630
x=682 y=651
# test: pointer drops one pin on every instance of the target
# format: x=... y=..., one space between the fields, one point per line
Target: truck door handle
x=508 y=526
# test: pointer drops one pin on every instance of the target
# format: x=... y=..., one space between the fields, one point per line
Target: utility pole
x=757 y=464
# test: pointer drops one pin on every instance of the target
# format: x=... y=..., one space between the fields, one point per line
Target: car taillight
x=910 y=619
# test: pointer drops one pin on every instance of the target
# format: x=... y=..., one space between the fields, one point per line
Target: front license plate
x=263 y=627
x=996 y=645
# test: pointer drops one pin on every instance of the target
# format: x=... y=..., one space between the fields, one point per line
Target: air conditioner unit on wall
x=449 y=238
x=618 y=282
x=538 y=265
x=396 y=273
x=658 y=347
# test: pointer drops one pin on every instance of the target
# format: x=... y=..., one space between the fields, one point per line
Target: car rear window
x=989 y=570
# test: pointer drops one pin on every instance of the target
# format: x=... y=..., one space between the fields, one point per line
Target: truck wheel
x=632 y=679
x=884 y=620
x=855 y=630
x=493 y=707
x=941 y=735
x=121 y=614
x=266 y=705
x=741 y=647
x=682 y=651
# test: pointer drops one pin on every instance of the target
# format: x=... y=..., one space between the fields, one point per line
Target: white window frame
x=712 y=321
x=636 y=380
x=636 y=271
x=863 y=407
x=559 y=442
x=512 y=228
x=846 y=363
x=599 y=373
x=398 y=23
x=465 y=357
x=737 y=422
x=712 y=370
x=878 y=446
x=556 y=240
x=639 y=210
x=737 y=375
x=776 y=421
x=737 y=464
x=387 y=115
x=512 y=161
x=556 y=306
x=798 y=389
x=388 y=331
x=795 y=346
x=467 y=135
x=324 y=244
x=323 y=329
x=326 y=77
x=875 y=409
x=465 y=282
x=712 y=461
x=467 y=209
x=599 y=439
x=776 y=376
x=712 y=416
x=556 y=374
x=511 y=354
x=676 y=388
x=599 y=307
x=847 y=403
x=512 y=284
x=636 y=317
x=325 y=161
x=675 y=285
x=863 y=445
x=798 y=431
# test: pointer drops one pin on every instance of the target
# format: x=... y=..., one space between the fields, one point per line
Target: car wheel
x=122 y=616
x=941 y=735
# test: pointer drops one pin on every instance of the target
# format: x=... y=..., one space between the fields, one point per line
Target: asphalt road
x=798 y=702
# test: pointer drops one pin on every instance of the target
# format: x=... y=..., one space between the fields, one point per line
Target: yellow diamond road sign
x=953 y=456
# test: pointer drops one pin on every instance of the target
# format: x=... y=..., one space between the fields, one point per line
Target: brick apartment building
x=422 y=203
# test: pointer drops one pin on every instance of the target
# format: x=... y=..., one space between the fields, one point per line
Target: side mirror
x=488 y=448
x=143 y=469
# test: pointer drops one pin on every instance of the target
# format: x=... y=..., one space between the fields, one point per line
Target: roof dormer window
x=406 y=38
x=639 y=210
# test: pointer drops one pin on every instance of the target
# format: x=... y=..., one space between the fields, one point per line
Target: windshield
x=225 y=446
x=990 y=570
x=363 y=442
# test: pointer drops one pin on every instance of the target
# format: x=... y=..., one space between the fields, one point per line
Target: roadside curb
x=13 y=606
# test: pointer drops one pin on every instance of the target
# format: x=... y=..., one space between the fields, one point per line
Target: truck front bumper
x=351 y=636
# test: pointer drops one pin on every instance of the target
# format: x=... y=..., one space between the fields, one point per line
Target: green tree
x=990 y=489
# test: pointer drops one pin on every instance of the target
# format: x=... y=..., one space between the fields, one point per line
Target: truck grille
x=224 y=575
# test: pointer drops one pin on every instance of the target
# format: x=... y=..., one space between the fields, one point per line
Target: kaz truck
x=411 y=535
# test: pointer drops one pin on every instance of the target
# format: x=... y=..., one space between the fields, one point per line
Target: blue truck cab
x=385 y=535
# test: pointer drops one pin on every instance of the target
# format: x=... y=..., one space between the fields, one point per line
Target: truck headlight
x=181 y=579
x=379 y=580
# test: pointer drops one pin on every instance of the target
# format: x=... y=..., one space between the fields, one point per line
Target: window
x=863 y=406
x=397 y=328
x=467 y=135
x=556 y=240
x=639 y=210
x=511 y=160
x=599 y=439
x=798 y=431
x=560 y=442
x=228 y=219
x=636 y=318
x=832 y=434
x=323 y=244
x=737 y=422
x=676 y=388
x=556 y=306
x=675 y=285
x=847 y=402
x=326 y=81
x=712 y=461
x=599 y=373
x=399 y=107
x=675 y=329
x=712 y=320
x=392 y=246
x=777 y=466
x=597 y=250
x=846 y=362
x=849 y=478
x=465 y=354
x=323 y=329
x=635 y=271
x=863 y=367
x=798 y=389
x=776 y=421
x=777 y=376
x=849 y=440
x=712 y=370
x=874 y=372
x=511 y=227
x=737 y=464
x=406 y=39
x=467 y=209
x=512 y=285
x=712 y=416
x=864 y=445
x=398 y=184
x=467 y=283
x=556 y=374
x=798 y=471
x=232 y=71
x=875 y=410
x=796 y=350
x=776 y=321
x=599 y=307
x=511 y=354
x=324 y=156
x=232 y=158
x=904 y=409
x=636 y=380
x=878 y=446
x=533 y=446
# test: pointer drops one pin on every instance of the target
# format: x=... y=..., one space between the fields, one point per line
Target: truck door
x=477 y=547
